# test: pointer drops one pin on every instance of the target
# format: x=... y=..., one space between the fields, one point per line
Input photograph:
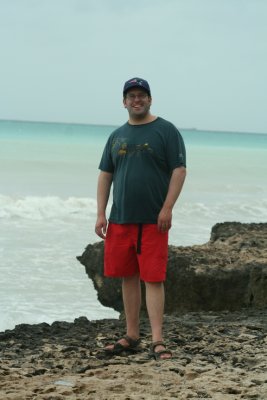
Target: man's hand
x=101 y=227
x=165 y=220
x=175 y=187
x=103 y=189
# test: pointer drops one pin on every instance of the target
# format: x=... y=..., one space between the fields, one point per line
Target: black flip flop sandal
x=157 y=354
x=118 y=348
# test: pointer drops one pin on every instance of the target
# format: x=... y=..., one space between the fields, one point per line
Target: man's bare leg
x=131 y=294
x=155 y=299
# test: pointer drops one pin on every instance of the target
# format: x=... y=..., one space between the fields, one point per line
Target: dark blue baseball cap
x=136 y=82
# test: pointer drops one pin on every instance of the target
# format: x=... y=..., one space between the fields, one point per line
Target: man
x=144 y=159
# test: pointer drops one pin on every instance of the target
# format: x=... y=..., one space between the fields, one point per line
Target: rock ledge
x=227 y=273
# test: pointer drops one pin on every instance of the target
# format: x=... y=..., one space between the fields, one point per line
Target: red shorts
x=136 y=248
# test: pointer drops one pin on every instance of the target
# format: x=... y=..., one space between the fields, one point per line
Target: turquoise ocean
x=48 y=176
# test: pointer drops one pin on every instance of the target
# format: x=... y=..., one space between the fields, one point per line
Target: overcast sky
x=67 y=60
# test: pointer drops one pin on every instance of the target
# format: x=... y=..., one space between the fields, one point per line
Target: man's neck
x=145 y=120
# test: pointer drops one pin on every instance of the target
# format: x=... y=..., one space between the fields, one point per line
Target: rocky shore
x=217 y=355
x=215 y=325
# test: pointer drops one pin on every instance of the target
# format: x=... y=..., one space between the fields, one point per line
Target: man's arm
x=175 y=187
x=103 y=190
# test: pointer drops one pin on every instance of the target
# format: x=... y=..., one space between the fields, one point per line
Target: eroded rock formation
x=227 y=273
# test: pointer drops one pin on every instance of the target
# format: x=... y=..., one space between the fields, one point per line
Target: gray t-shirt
x=142 y=158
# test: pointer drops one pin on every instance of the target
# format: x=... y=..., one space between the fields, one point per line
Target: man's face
x=137 y=102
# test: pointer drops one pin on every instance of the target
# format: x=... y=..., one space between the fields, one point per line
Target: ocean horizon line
x=116 y=126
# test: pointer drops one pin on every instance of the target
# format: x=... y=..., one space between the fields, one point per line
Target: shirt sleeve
x=175 y=147
x=106 y=162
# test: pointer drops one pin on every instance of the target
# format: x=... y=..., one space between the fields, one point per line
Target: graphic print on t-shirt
x=121 y=147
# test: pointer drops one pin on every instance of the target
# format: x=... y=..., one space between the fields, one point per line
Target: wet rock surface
x=227 y=273
x=216 y=355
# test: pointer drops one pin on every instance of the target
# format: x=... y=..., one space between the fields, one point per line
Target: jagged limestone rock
x=227 y=273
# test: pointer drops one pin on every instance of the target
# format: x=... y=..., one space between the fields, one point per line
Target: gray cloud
x=66 y=60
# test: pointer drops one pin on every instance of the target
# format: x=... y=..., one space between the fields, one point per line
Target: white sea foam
x=41 y=279
x=40 y=208
x=53 y=207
